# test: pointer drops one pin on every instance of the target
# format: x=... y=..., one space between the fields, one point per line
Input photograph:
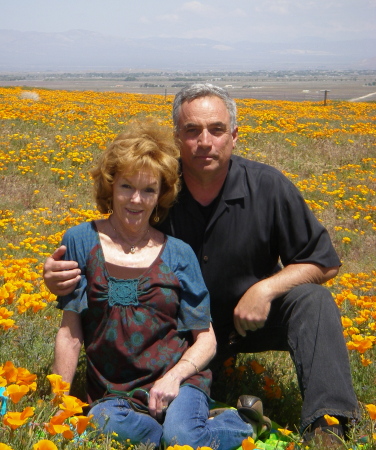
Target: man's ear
x=234 y=136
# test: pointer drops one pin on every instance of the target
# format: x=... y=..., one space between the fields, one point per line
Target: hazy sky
x=223 y=20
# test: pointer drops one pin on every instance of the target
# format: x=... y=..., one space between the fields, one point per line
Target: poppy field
x=48 y=141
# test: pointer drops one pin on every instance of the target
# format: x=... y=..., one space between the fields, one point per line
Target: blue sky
x=227 y=20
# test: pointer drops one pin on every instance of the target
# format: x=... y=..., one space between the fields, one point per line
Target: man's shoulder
x=256 y=172
x=249 y=164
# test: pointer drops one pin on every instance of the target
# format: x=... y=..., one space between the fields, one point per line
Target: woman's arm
x=195 y=359
x=68 y=344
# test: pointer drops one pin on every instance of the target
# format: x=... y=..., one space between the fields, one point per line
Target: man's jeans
x=186 y=423
x=306 y=322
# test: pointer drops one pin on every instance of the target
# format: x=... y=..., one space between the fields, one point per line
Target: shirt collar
x=235 y=185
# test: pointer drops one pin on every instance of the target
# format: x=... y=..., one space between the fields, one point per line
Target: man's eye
x=217 y=130
x=191 y=130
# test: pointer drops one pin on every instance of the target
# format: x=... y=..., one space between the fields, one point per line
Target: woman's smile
x=134 y=199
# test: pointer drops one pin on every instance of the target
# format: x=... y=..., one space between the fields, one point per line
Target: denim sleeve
x=194 y=311
x=78 y=240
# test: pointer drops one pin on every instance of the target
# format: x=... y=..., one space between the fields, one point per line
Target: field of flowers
x=47 y=144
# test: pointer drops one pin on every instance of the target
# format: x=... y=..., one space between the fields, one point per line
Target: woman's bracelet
x=191 y=362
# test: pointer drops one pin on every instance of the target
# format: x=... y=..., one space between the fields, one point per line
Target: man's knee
x=312 y=297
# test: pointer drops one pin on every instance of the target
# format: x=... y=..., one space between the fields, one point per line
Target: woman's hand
x=161 y=395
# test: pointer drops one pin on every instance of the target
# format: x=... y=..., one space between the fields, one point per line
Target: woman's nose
x=136 y=196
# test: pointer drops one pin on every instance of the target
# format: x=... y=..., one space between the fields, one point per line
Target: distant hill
x=77 y=50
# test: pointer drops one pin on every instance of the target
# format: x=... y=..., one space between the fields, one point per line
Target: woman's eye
x=126 y=186
x=150 y=190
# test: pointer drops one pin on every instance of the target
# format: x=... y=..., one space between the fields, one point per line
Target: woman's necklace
x=132 y=246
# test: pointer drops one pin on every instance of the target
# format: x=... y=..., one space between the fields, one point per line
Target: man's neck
x=204 y=189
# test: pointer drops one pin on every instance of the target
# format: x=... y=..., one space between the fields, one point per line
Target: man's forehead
x=208 y=108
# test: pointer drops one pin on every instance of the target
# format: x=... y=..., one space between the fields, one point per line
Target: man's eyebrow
x=196 y=125
x=218 y=124
x=190 y=125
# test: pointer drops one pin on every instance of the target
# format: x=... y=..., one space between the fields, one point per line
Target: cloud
x=223 y=48
x=196 y=7
x=280 y=7
x=168 y=18
x=144 y=20
x=296 y=51
x=238 y=12
x=285 y=7
x=203 y=33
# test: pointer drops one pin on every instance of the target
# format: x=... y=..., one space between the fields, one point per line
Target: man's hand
x=253 y=308
x=161 y=395
x=61 y=277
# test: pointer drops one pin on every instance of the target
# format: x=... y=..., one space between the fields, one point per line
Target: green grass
x=37 y=203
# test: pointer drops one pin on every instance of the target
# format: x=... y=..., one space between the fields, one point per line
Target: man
x=241 y=218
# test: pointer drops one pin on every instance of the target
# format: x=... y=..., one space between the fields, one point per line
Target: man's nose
x=205 y=138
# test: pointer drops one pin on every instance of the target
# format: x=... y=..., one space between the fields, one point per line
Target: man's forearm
x=254 y=306
x=296 y=274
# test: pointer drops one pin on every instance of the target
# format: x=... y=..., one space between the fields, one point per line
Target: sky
x=220 y=20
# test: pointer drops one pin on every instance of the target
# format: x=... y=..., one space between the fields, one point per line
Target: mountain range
x=82 y=50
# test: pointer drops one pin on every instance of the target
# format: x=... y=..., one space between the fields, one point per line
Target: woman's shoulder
x=85 y=232
x=84 y=227
x=177 y=254
x=177 y=245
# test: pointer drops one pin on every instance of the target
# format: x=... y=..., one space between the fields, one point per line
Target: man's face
x=206 y=140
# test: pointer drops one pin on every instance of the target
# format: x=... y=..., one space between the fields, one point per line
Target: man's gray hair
x=199 y=90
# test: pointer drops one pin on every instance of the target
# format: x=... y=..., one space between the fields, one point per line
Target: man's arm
x=68 y=344
x=253 y=308
x=61 y=277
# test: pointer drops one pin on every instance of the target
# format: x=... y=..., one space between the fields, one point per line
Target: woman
x=141 y=307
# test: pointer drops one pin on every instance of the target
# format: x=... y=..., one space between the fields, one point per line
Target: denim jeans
x=306 y=322
x=186 y=422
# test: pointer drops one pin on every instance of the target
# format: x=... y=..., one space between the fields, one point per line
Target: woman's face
x=134 y=198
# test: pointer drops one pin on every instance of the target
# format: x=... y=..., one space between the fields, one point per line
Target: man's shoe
x=251 y=407
x=323 y=438
x=328 y=436
x=251 y=410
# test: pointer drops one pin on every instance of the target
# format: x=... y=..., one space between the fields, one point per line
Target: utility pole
x=325 y=95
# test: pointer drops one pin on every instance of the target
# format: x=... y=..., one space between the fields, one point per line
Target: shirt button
x=206 y=258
